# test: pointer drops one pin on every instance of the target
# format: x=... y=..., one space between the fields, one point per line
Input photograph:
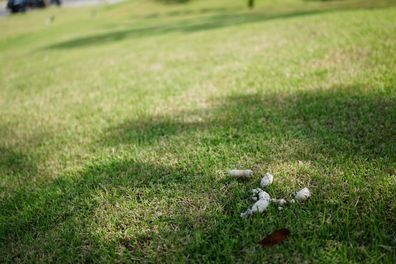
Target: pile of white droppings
x=262 y=198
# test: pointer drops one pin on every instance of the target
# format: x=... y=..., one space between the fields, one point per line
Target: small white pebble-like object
x=267 y=180
x=246 y=213
x=280 y=208
x=256 y=191
x=303 y=194
x=241 y=173
x=260 y=206
x=280 y=202
x=292 y=201
x=264 y=196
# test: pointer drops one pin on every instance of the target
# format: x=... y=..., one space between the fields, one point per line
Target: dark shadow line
x=191 y=26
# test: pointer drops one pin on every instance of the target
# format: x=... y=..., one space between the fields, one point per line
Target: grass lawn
x=118 y=125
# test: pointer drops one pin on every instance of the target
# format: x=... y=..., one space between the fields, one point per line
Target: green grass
x=118 y=124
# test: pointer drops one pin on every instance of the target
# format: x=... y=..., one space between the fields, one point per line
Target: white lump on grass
x=241 y=173
x=280 y=202
x=256 y=191
x=259 y=206
x=303 y=194
x=260 y=194
x=267 y=180
x=264 y=196
x=246 y=213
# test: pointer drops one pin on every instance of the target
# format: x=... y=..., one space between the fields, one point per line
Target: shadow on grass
x=19 y=159
x=340 y=120
x=31 y=216
x=127 y=209
x=16 y=162
x=222 y=20
x=189 y=12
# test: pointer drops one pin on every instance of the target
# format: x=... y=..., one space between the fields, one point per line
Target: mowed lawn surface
x=118 y=125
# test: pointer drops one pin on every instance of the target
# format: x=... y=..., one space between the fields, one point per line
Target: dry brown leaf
x=275 y=237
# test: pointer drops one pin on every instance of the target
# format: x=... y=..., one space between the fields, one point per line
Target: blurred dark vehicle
x=16 y=6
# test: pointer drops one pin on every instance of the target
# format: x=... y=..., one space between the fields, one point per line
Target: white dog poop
x=264 y=196
x=280 y=202
x=267 y=180
x=303 y=194
x=241 y=173
x=256 y=191
x=259 y=206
